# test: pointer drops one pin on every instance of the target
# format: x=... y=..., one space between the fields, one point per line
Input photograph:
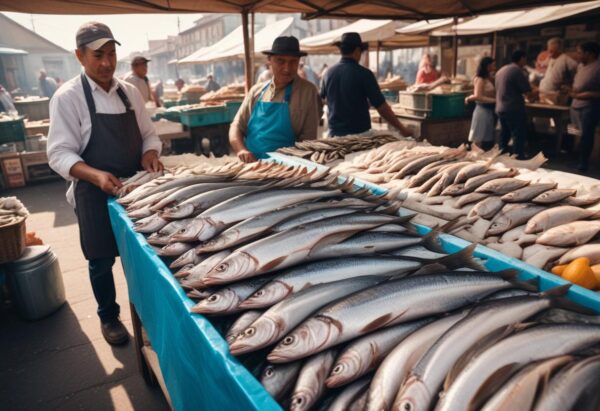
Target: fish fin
x=332 y=239
x=377 y=323
x=432 y=268
x=556 y=291
x=273 y=264
x=492 y=384
x=563 y=302
x=431 y=241
x=392 y=208
x=462 y=259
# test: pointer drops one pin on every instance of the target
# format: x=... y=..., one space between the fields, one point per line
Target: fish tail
x=431 y=241
x=462 y=259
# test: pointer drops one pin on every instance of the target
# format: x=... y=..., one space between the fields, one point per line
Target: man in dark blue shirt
x=350 y=88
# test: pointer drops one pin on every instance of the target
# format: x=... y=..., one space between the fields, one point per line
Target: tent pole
x=494 y=44
x=377 y=57
x=455 y=49
x=252 y=50
x=247 y=60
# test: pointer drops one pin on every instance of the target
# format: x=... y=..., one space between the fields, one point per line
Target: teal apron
x=270 y=127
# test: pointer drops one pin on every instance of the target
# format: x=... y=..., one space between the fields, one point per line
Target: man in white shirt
x=138 y=76
x=100 y=132
x=560 y=72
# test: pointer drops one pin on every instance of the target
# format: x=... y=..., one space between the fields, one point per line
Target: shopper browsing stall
x=483 y=124
x=559 y=73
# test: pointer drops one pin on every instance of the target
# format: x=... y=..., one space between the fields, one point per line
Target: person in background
x=47 y=84
x=138 y=76
x=559 y=73
x=100 y=132
x=483 y=124
x=323 y=71
x=301 y=71
x=511 y=85
x=211 y=84
x=279 y=113
x=349 y=88
x=179 y=83
x=265 y=75
x=6 y=102
x=585 y=108
x=426 y=73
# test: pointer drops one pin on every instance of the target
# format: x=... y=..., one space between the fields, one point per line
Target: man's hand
x=246 y=156
x=406 y=132
x=150 y=162
x=107 y=182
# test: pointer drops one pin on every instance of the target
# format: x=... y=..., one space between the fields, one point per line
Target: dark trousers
x=103 y=284
x=586 y=119
x=513 y=124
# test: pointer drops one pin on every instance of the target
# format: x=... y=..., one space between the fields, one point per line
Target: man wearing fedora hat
x=350 y=88
x=100 y=131
x=279 y=112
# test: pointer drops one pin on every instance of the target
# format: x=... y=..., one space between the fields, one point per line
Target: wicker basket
x=12 y=241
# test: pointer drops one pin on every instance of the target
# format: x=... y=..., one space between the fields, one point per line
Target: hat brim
x=363 y=46
x=96 y=44
x=285 y=53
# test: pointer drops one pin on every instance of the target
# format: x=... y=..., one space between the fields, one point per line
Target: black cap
x=285 y=46
x=139 y=59
x=94 y=35
x=352 y=40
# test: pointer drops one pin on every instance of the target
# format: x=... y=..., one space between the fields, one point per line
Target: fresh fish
x=417 y=165
x=146 y=202
x=311 y=217
x=390 y=228
x=386 y=304
x=553 y=196
x=290 y=247
x=469 y=198
x=542 y=258
x=139 y=213
x=455 y=190
x=204 y=201
x=471 y=170
x=199 y=294
x=427 y=185
x=513 y=215
x=556 y=216
x=501 y=186
x=189 y=257
x=522 y=389
x=171 y=184
x=150 y=224
x=195 y=275
x=228 y=299
x=582 y=201
x=163 y=236
x=241 y=324
x=477 y=181
x=486 y=208
x=534 y=344
x=279 y=379
x=183 y=271
x=311 y=380
x=287 y=314
x=427 y=377
x=175 y=249
x=591 y=251
x=527 y=193
x=366 y=353
x=571 y=234
x=348 y=396
x=395 y=368
x=418 y=252
x=298 y=278
x=214 y=220
x=425 y=174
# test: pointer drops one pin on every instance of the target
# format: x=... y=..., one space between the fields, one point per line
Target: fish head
x=220 y=302
x=414 y=396
x=262 y=332
x=189 y=232
x=234 y=267
x=268 y=295
x=184 y=271
x=314 y=335
x=269 y=378
x=347 y=366
x=499 y=226
x=180 y=211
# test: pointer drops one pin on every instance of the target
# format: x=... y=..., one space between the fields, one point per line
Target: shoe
x=114 y=332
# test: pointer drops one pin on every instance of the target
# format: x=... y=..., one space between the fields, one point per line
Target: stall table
x=560 y=115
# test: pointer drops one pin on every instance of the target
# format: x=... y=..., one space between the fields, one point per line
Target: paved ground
x=62 y=362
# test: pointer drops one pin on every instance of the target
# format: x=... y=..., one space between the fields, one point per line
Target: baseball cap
x=94 y=35
x=139 y=59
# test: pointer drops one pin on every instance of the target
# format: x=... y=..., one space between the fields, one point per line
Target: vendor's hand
x=246 y=156
x=406 y=132
x=107 y=182
x=150 y=162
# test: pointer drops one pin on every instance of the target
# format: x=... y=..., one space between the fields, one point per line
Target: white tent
x=263 y=40
x=227 y=42
x=424 y=26
x=515 y=19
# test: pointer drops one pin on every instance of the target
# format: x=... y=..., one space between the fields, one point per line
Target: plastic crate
x=205 y=116
x=414 y=101
x=169 y=103
x=448 y=105
x=232 y=108
x=390 y=95
x=12 y=131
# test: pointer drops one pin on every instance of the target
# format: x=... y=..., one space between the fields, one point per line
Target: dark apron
x=115 y=146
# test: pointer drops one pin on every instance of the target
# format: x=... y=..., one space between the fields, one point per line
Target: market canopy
x=516 y=19
x=424 y=27
x=226 y=43
x=379 y=9
x=10 y=51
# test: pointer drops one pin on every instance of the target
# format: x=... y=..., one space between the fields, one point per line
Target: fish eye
x=259 y=293
x=250 y=332
x=269 y=372
x=298 y=400
x=288 y=340
x=407 y=406
x=338 y=369
x=213 y=298
x=222 y=267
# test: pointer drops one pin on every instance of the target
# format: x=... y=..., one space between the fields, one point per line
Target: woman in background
x=483 y=124
x=427 y=72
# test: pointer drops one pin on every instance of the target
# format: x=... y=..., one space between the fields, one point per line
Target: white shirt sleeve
x=65 y=143
x=151 y=141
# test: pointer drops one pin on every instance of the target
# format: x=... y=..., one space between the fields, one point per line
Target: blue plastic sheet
x=199 y=371
x=494 y=260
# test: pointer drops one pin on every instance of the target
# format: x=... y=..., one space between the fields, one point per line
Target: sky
x=131 y=30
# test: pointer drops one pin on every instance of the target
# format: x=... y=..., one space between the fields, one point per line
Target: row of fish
x=337 y=303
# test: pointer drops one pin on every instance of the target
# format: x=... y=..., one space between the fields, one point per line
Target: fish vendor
x=279 y=112
x=100 y=132
x=350 y=88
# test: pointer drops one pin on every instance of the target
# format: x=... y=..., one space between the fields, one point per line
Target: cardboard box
x=12 y=170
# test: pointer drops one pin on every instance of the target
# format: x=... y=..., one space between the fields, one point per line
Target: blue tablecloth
x=199 y=371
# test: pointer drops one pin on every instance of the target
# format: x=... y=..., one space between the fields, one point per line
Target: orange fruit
x=558 y=269
x=579 y=272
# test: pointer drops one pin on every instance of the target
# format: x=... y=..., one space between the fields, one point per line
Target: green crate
x=169 y=103
x=206 y=116
x=448 y=105
x=12 y=131
x=232 y=108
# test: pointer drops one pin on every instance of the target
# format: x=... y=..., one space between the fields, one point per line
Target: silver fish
x=553 y=196
x=486 y=208
x=475 y=182
x=394 y=369
x=139 y=213
x=310 y=385
x=427 y=377
x=513 y=215
x=290 y=247
x=146 y=202
x=279 y=379
x=383 y=305
x=582 y=201
x=366 y=353
x=163 y=236
x=175 y=249
x=311 y=217
x=571 y=234
x=418 y=252
x=346 y=399
x=527 y=193
x=534 y=344
x=241 y=324
x=303 y=276
x=556 y=216
x=285 y=315
x=468 y=199
x=150 y=224
x=189 y=257
x=501 y=186
x=199 y=271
